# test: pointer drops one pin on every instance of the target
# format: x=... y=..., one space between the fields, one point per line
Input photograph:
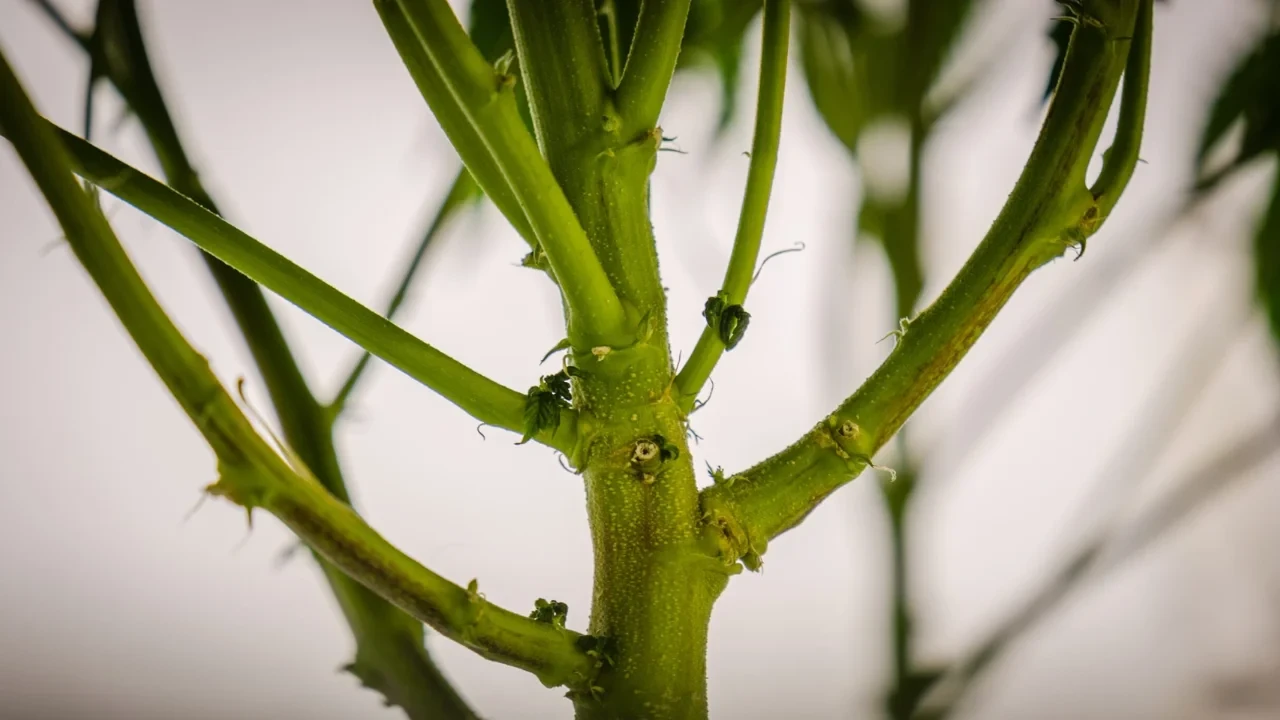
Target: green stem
x=483 y=398
x=406 y=675
x=457 y=127
x=565 y=71
x=755 y=201
x=462 y=193
x=608 y=13
x=651 y=62
x=655 y=581
x=603 y=171
x=1049 y=211
x=596 y=316
x=1120 y=161
x=904 y=692
x=251 y=474
x=901 y=233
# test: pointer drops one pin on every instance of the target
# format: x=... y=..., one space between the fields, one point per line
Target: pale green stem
x=484 y=399
x=565 y=72
x=457 y=127
x=755 y=201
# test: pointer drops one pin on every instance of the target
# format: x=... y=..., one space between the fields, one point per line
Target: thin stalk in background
x=462 y=193
x=1104 y=551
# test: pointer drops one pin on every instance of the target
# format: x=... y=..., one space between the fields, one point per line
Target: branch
x=1105 y=551
x=1120 y=160
x=464 y=138
x=461 y=193
x=391 y=654
x=476 y=394
x=1049 y=211
x=485 y=97
x=651 y=62
x=755 y=205
x=251 y=474
x=1036 y=345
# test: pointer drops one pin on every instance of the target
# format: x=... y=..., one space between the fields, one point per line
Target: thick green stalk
x=755 y=201
x=251 y=474
x=565 y=72
x=483 y=398
x=485 y=95
x=651 y=63
x=655 y=582
x=1049 y=211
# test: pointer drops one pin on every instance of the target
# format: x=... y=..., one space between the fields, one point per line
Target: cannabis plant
x=553 y=107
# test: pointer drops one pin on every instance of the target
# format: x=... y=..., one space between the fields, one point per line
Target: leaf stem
x=476 y=394
x=755 y=201
x=60 y=21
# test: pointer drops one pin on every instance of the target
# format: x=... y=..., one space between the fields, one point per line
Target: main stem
x=655 y=583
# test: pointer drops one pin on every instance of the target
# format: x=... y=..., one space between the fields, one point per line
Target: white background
x=311 y=137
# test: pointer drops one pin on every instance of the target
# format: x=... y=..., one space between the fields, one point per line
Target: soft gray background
x=312 y=138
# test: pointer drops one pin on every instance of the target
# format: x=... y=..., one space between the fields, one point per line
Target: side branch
x=717 y=336
x=485 y=95
x=479 y=396
x=457 y=127
x=391 y=655
x=462 y=193
x=251 y=473
x=1050 y=211
x=651 y=63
